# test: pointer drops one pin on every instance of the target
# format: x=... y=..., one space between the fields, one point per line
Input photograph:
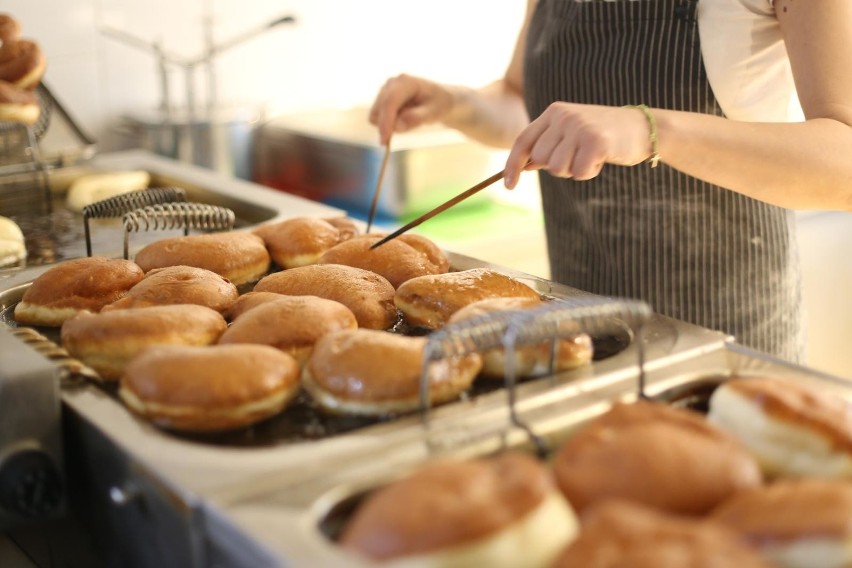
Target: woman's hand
x=575 y=141
x=405 y=102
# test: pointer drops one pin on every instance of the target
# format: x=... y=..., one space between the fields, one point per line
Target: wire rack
x=24 y=187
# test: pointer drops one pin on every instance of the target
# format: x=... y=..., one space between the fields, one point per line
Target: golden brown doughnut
x=368 y=295
x=796 y=523
x=22 y=63
x=18 y=105
x=618 y=534
x=429 y=301
x=239 y=256
x=397 y=260
x=300 y=241
x=75 y=285
x=345 y=225
x=91 y=188
x=530 y=360
x=248 y=301
x=791 y=428
x=292 y=324
x=13 y=246
x=664 y=457
x=374 y=373
x=202 y=389
x=179 y=285
x=10 y=29
x=495 y=512
x=107 y=341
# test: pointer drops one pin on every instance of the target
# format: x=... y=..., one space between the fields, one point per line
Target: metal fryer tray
x=295 y=524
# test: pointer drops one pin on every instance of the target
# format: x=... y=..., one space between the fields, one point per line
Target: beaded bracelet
x=652 y=123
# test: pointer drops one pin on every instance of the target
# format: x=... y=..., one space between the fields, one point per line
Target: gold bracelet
x=652 y=136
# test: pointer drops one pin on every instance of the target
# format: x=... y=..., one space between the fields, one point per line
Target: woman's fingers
x=575 y=141
x=405 y=102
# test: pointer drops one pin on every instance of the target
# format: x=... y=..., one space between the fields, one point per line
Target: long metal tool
x=378 y=189
x=440 y=208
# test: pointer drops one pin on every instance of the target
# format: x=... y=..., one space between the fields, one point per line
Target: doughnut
x=75 y=285
x=236 y=255
x=207 y=389
x=22 y=63
x=617 y=534
x=495 y=512
x=300 y=241
x=375 y=373
x=92 y=188
x=10 y=29
x=398 y=260
x=18 y=105
x=290 y=323
x=792 y=429
x=368 y=295
x=13 y=247
x=530 y=360
x=248 y=301
x=345 y=225
x=666 y=458
x=429 y=301
x=179 y=285
x=797 y=523
x=107 y=341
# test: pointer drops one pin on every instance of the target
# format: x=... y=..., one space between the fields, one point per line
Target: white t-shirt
x=746 y=60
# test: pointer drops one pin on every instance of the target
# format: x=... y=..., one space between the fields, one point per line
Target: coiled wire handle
x=511 y=329
x=184 y=216
x=119 y=205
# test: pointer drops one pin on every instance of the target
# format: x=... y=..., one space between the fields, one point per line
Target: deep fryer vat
x=686 y=389
x=302 y=420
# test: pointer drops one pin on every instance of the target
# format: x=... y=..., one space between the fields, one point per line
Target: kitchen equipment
x=209 y=135
x=32 y=473
x=295 y=521
x=443 y=207
x=151 y=496
x=334 y=156
x=32 y=486
x=265 y=496
x=118 y=205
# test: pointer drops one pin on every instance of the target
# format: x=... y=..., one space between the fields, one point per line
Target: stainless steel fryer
x=147 y=494
x=294 y=524
x=150 y=497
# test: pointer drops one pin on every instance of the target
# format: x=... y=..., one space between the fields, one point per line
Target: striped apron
x=694 y=251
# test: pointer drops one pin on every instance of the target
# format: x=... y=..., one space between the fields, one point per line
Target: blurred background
x=119 y=65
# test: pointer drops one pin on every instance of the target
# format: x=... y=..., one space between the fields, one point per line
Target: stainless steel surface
x=291 y=524
x=31 y=461
x=335 y=157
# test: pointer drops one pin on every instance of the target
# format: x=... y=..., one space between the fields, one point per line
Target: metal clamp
x=511 y=329
x=184 y=216
x=120 y=205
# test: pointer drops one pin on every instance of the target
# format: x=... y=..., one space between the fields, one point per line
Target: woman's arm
x=493 y=114
x=804 y=165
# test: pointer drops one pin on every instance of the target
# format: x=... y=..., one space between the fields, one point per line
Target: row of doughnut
x=22 y=65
